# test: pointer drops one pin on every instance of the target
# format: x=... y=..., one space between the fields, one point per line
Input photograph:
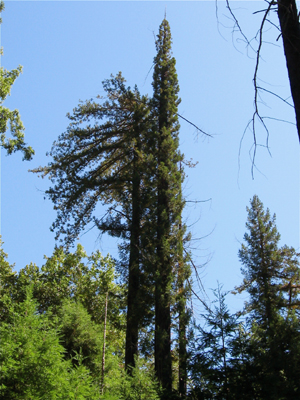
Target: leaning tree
x=100 y=159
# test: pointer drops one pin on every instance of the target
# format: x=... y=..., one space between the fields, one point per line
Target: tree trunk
x=131 y=347
x=290 y=29
x=182 y=369
x=163 y=362
x=182 y=315
x=104 y=342
x=165 y=102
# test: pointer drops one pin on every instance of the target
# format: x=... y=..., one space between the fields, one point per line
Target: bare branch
x=195 y=126
x=276 y=95
x=236 y=24
x=280 y=120
x=197 y=297
x=198 y=201
x=201 y=287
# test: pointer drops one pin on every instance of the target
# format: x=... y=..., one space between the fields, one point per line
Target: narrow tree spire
x=168 y=196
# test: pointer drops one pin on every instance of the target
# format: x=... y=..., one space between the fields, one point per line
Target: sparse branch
x=236 y=24
x=256 y=114
x=274 y=94
x=280 y=120
x=198 y=201
x=195 y=294
x=196 y=272
x=289 y=29
x=195 y=126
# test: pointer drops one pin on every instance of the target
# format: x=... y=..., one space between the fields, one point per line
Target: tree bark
x=132 y=330
x=104 y=343
x=163 y=361
x=182 y=314
x=290 y=29
x=182 y=368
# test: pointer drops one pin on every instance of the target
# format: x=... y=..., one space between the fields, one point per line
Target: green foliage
x=31 y=359
x=80 y=335
x=257 y=358
x=10 y=119
x=71 y=291
x=122 y=151
x=74 y=275
x=269 y=272
x=141 y=384
x=8 y=280
x=92 y=161
x=216 y=351
x=167 y=205
x=272 y=281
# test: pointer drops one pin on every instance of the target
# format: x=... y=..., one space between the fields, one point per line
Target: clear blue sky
x=68 y=48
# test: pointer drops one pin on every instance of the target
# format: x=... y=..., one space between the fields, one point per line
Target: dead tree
x=289 y=32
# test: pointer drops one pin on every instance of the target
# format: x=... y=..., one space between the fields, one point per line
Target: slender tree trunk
x=104 y=343
x=182 y=315
x=224 y=357
x=182 y=370
x=290 y=29
x=131 y=350
x=163 y=362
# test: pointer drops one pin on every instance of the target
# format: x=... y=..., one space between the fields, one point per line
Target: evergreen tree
x=169 y=204
x=269 y=270
x=32 y=359
x=216 y=351
x=101 y=158
x=123 y=153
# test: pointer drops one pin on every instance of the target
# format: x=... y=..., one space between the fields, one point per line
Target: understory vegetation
x=63 y=329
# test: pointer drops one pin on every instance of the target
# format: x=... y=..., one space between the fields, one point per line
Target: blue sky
x=68 y=48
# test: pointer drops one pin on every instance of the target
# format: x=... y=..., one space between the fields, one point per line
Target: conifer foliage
x=101 y=159
x=271 y=277
x=168 y=178
x=256 y=357
x=269 y=271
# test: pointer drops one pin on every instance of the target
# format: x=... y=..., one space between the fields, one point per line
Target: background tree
x=218 y=354
x=10 y=119
x=74 y=276
x=32 y=359
x=255 y=353
x=273 y=322
x=8 y=279
x=267 y=268
x=261 y=264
